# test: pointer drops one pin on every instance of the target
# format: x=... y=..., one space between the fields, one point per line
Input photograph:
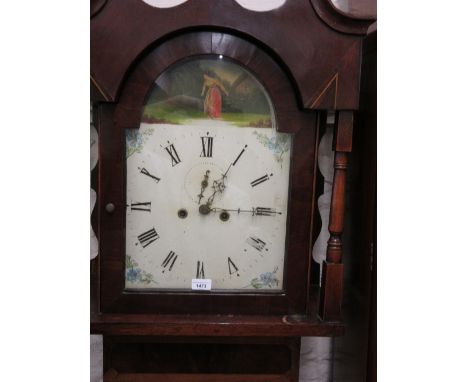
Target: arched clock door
x=212 y=180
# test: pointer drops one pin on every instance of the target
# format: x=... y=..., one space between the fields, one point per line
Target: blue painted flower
x=134 y=138
x=268 y=279
x=278 y=144
x=136 y=274
x=272 y=145
x=133 y=274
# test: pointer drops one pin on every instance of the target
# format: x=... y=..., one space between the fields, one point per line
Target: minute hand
x=219 y=185
x=259 y=211
x=224 y=176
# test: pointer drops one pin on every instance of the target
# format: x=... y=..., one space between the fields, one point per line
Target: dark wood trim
x=331 y=292
x=96 y=6
x=343 y=137
x=213 y=325
x=96 y=92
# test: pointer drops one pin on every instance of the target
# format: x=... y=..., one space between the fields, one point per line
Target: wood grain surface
x=313 y=41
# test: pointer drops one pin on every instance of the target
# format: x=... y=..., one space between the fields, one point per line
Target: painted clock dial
x=207 y=182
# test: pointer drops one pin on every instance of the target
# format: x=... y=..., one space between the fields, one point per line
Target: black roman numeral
x=146 y=238
x=170 y=259
x=200 y=270
x=262 y=179
x=232 y=267
x=256 y=242
x=207 y=147
x=265 y=211
x=240 y=154
x=173 y=154
x=144 y=171
x=146 y=206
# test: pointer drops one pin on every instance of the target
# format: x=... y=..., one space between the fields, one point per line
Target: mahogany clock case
x=113 y=119
x=307 y=55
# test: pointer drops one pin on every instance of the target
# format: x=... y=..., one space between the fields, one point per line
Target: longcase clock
x=209 y=117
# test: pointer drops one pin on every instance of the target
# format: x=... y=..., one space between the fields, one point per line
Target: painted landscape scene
x=206 y=88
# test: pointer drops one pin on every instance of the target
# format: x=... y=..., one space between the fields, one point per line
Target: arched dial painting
x=207 y=183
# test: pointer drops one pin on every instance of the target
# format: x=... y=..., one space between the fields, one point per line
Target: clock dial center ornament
x=204 y=209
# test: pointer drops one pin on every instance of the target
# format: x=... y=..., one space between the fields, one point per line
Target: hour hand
x=204 y=185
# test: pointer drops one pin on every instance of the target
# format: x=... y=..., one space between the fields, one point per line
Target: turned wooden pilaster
x=337 y=207
x=332 y=272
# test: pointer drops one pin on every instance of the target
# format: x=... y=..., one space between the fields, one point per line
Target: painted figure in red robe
x=213 y=99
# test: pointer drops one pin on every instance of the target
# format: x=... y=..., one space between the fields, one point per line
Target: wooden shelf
x=113 y=376
x=214 y=325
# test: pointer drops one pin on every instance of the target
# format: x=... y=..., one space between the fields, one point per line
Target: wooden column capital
x=343 y=137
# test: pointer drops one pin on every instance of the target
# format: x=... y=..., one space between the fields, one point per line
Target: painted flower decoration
x=133 y=274
x=266 y=280
x=278 y=144
x=135 y=138
x=136 y=274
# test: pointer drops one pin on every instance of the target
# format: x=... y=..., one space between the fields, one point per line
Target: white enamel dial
x=185 y=218
x=207 y=183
